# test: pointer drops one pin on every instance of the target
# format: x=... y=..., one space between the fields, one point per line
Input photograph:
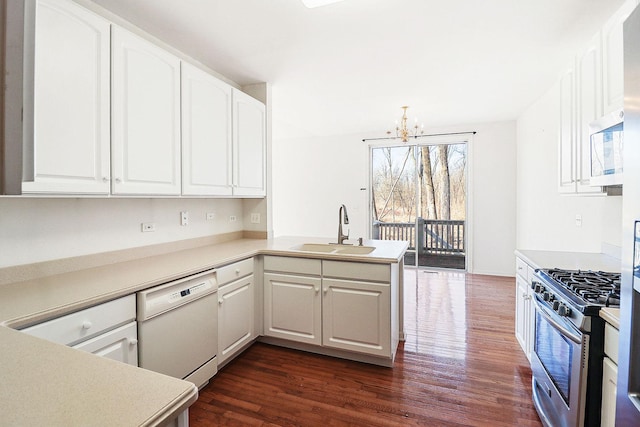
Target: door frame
x=440 y=139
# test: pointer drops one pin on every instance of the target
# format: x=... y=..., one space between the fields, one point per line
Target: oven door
x=559 y=369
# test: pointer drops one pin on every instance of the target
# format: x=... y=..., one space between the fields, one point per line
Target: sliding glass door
x=418 y=194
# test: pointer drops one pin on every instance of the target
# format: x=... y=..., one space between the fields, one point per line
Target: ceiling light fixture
x=317 y=3
x=403 y=132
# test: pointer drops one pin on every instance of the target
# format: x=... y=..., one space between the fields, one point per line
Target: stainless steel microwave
x=606 y=136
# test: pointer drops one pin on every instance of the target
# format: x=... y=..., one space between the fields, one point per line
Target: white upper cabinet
x=249 y=146
x=567 y=132
x=108 y=112
x=589 y=99
x=588 y=91
x=67 y=149
x=145 y=117
x=206 y=134
x=612 y=58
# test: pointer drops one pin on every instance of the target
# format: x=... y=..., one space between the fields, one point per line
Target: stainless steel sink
x=332 y=248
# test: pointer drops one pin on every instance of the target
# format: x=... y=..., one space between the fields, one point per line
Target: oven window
x=556 y=353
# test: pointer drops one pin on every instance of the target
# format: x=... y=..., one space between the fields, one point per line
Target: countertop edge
x=569 y=260
x=182 y=402
x=611 y=316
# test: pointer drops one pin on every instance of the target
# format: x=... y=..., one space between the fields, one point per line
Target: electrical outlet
x=148 y=227
x=232 y=218
x=255 y=218
x=578 y=220
x=211 y=216
x=184 y=218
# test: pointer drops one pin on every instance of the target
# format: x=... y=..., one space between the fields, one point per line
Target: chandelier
x=403 y=132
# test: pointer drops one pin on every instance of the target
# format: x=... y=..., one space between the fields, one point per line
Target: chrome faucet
x=342 y=237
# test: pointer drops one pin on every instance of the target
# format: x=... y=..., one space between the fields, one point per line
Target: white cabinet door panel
x=206 y=134
x=567 y=134
x=71 y=133
x=522 y=313
x=249 y=145
x=609 y=393
x=293 y=308
x=236 y=311
x=589 y=109
x=612 y=58
x=356 y=316
x=146 y=117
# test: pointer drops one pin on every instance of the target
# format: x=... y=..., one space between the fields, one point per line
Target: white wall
x=546 y=218
x=493 y=180
x=313 y=176
x=41 y=229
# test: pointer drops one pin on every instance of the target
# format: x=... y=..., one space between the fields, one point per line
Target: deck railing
x=434 y=236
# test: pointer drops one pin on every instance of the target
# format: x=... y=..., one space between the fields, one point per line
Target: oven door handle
x=563 y=330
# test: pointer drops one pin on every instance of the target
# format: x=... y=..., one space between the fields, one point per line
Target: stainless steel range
x=569 y=344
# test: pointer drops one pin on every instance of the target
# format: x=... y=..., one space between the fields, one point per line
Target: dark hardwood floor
x=459 y=366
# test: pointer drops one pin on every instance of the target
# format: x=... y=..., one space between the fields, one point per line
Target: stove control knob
x=539 y=288
x=563 y=310
x=547 y=296
x=556 y=305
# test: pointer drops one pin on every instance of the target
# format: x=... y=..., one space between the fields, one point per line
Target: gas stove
x=568 y=350
x=594 y=287
x=573 y=294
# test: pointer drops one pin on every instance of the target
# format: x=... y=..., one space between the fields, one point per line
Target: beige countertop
x=42 y=383
x=611 y=316
x=47 y=384
x=570 y=260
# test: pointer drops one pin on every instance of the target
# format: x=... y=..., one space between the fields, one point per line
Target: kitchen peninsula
x=47 y=383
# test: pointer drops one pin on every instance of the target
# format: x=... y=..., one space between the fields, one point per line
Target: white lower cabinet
x=333 y=304
x=119 y=344
x=293 y=307
x=108 y=330
x=355 y=316
x=609 y=376
x=236 y=309
x=609 y=386
x=525 y=311
x=235 y=317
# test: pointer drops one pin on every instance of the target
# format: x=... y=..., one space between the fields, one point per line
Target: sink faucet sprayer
x=342 y=237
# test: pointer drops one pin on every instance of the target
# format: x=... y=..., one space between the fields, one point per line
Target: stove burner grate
x=595 y=287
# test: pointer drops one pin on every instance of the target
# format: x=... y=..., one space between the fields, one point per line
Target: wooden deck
x=455 y=261
x=459 y=366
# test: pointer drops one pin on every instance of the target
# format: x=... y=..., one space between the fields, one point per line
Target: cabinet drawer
x=234 y=271
x=119 y=344
x=611 y=335
x=357 y=271
x=293 y=265
x=522 y=269
x=86 y=323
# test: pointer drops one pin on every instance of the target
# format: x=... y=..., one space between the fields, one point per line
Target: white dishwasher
x=178 y=328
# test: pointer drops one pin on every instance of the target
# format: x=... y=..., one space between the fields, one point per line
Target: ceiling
x=349 y=66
